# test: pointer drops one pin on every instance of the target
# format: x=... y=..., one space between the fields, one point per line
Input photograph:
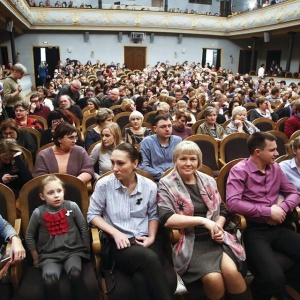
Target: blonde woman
x=104 y=116
x=291 y=166
x=111 y=137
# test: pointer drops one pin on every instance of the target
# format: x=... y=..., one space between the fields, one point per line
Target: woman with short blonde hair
x=189 y=201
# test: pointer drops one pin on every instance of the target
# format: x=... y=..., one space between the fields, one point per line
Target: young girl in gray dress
x=58 y=238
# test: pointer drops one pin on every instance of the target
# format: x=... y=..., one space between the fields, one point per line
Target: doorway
x=4 y=56
x=271 y=56
x=245 y=61
x=135 y=57
x=225 y=8
x=211 y=58
x=48 y=55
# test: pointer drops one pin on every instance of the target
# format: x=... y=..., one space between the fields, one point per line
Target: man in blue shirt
x=157 y=149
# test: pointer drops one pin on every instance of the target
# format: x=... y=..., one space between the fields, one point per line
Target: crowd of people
x=71 y=4
x=163 y=102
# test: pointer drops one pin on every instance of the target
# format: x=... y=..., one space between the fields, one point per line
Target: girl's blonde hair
x=292 y=146
x=48 y=179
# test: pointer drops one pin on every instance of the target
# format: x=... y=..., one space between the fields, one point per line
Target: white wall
x=107 y=49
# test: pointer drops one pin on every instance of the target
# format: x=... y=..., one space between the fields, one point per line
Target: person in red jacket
x=293 y=123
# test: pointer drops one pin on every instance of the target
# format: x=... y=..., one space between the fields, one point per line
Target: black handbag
x=107 y=263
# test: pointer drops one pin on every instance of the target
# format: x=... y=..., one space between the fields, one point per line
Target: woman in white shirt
x=124 y=206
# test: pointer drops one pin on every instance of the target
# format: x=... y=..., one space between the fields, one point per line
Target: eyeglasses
x=11 y=133
x=75 y=87
x=72 y=138
x=20 y=110
x=56 y=122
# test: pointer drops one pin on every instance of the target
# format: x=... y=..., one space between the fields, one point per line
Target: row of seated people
x=58 y=4
x=200 y=217
x=91 y=105
x=133 y=134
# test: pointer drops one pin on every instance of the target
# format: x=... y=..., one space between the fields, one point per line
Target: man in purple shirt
x=258 y=189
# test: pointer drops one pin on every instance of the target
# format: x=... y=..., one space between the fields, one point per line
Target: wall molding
x=275 y=17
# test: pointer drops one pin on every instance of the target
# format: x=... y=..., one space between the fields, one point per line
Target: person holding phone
x=14 y=172
x=17 y=254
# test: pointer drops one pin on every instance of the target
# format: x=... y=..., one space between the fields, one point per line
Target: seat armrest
x=96 y=248
x=16 y=270
x=89 y=187
x=174 y=236
x=222 y=163
x=239 y=221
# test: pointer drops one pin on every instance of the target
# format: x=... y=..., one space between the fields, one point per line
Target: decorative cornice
x=285 y=14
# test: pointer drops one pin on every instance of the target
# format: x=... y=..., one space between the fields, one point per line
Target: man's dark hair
x=274 y=90
x=258 y=140
x=160 y=117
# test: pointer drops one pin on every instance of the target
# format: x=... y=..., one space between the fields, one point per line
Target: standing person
x=253 y=189
x=261 y=71
x=13 y=89
x=57 y=248
x=157 y=149
x=42 y=73
x=124 y=206
x=189 y=200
